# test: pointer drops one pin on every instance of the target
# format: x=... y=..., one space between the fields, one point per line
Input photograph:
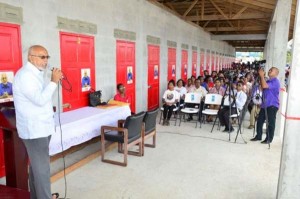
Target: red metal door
x=208 y=64
x=77 y=58
x=126 y=69
x=202 y=57
x=184 y=64
x=194 y=64
x=10 y=62
x=217 y=62
x=171 y=64
x=153 y=76
x=212 y=62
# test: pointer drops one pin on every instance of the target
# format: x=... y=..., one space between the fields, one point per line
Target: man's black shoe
x=225 y=130
x=231 y=130
x=255 y=139
x=265 y=142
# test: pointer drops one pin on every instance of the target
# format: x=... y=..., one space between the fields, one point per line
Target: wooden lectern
x=16 y=159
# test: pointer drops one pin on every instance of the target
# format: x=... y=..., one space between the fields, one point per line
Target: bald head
x=38 y=56
x=35 y=49
x=273 y=72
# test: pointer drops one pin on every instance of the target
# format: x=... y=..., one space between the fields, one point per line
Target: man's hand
x=56 y=75
x=261 y=73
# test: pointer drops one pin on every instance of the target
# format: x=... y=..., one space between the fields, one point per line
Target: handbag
x=95 y=97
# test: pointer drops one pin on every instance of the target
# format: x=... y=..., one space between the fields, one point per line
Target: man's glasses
x=42 y=56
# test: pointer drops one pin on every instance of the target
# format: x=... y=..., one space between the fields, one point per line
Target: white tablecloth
x=83 y=124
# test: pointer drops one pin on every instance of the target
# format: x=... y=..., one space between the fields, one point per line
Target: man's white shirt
x=33 y=103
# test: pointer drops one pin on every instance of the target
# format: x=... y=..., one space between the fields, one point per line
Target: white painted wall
x=140 y=16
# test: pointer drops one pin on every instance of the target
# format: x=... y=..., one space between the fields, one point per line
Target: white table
x=81 y=125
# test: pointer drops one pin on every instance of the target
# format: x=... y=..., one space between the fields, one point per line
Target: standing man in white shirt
x=240 y=100
x=34 y=117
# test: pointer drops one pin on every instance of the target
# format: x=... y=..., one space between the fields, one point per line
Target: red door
x=126 y=69
x=153 y=77
x=208 y=68
x=10 y=62
x=202 y=57
x=78 y=65
x=194 y=64
x=212 y=62
x=184 y=64
x=217 y=62
x=220 y=62
x=171 y=64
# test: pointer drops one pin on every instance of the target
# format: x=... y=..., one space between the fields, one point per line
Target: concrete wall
x=139 y=16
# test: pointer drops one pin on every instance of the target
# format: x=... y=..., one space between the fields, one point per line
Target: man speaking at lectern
x=34 y=117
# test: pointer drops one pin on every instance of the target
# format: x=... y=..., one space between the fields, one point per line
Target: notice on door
x=6 y=92
x=85 y=79
x=129 y=75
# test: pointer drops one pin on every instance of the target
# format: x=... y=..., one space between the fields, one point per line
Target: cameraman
x=270 y=104
x=254 y=105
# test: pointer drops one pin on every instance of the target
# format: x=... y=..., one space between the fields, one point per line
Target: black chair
x=150 y=128
x=129 y=133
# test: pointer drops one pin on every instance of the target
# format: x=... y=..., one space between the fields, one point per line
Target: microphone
x=52 y=68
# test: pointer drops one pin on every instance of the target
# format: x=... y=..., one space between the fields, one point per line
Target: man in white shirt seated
x=201 y=90
x=240 y=100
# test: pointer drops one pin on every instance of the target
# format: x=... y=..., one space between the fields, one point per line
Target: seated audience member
x=217 y=89
x=181 y=90
x=222 y=82
x=214 y=74
x=121 y=95
x=210 y=82
x=201 y=90
x=220 y=75
x=240 y=100
x=202 y=82
x=255 y=105
x=189 y=86
x=193 y=78
x=170 y=98
x=205 y=72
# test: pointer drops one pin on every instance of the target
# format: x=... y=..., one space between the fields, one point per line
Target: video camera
x=258 y=64
x=230 y=74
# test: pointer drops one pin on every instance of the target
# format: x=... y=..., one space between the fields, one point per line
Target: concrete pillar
x=289 y=177
x=277 y=50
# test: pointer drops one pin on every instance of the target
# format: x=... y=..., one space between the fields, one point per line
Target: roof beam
x=239 y=13
x=221 y=17
x=250 y=49
x=228 y=29
x=202 y=9
x=190 y=8
x=239 y=37
x=219 y=9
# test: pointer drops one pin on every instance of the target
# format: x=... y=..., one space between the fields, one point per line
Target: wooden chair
x=129 y=133
x=150 y=128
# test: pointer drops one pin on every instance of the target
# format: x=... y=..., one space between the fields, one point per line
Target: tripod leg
x=214 y=124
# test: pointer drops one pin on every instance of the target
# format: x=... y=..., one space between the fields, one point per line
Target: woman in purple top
x=270 y=104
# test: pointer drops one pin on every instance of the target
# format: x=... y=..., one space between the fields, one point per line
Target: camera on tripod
x=256 y=65
x=230 y=75
x=257 y=96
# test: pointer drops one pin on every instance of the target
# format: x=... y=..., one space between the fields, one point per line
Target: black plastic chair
x=129 y=132
x=150 y=128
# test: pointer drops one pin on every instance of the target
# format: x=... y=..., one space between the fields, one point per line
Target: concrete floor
x=188 y=163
